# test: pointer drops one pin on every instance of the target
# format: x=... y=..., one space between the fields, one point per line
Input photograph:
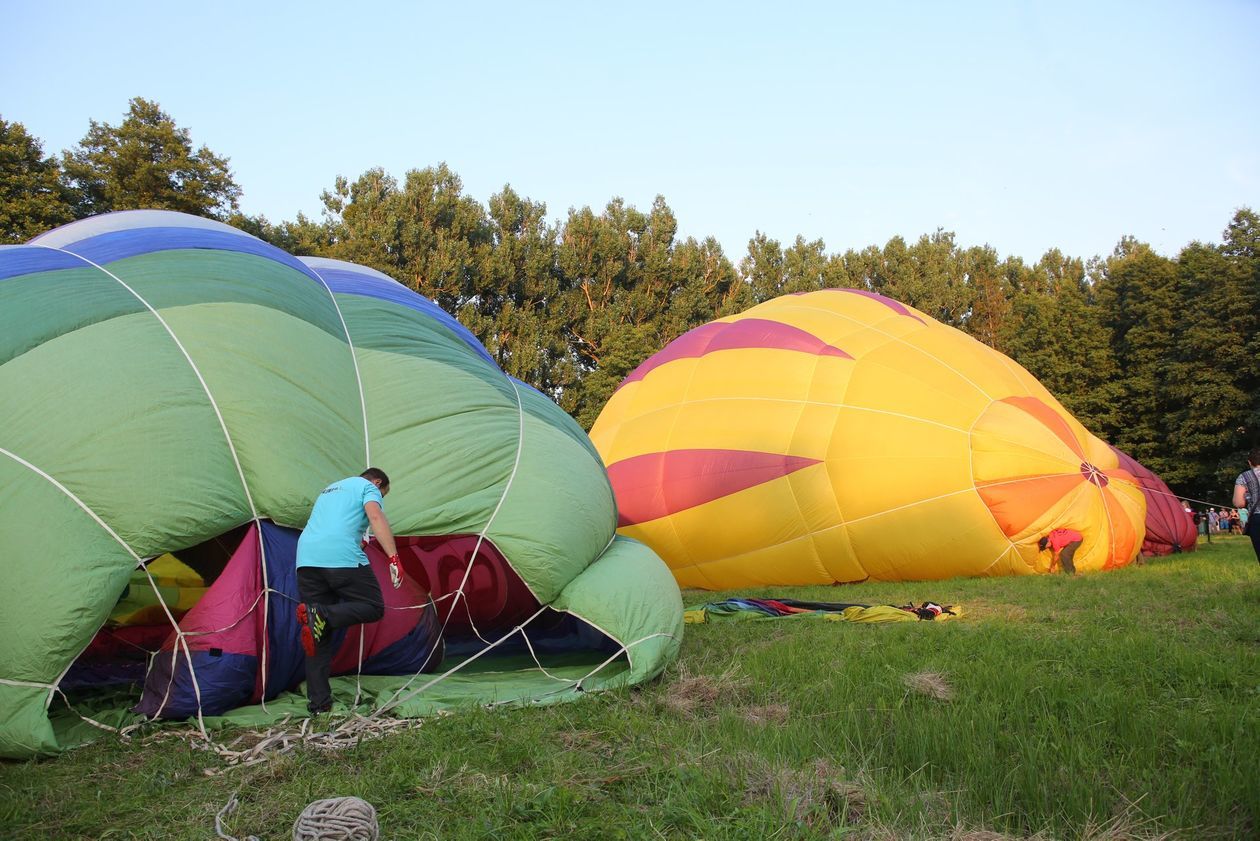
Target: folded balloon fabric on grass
x=750 y=608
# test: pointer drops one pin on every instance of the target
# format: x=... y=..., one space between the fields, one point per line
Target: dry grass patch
x=819 y=795
x=979 y=609
x=694 y=695
x=767 y=714
x=1130 y=825
x=931 y=684
x=584 y=740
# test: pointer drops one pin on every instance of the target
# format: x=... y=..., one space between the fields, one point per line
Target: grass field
x=1121 y=705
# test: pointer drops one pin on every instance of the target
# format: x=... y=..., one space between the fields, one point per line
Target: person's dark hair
x=1043 y=543
x=376 y=473
x=1253 y=457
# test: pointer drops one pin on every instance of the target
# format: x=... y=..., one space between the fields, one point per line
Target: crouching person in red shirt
x=1063 y=544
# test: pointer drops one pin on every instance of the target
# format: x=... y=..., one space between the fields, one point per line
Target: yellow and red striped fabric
x=840 y=435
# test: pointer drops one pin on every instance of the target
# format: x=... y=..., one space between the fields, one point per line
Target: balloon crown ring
x=1093 y=474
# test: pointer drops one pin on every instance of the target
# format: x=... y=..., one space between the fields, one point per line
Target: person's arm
x=380 y=527
x=1240 y=496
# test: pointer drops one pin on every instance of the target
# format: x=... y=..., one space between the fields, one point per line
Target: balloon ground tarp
x=839 y=436
x=176 y=392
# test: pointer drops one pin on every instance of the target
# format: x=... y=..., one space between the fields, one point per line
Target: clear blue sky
x=1020 y=125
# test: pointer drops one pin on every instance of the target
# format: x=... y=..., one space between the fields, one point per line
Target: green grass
x=1123 y=705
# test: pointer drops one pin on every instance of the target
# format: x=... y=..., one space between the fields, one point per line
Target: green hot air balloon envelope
x=178 y=391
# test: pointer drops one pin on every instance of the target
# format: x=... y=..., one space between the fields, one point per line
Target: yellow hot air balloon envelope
x=839 y=436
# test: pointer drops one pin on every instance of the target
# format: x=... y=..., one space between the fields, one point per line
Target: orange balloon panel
x=840 y=435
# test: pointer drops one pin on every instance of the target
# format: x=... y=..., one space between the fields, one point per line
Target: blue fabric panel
x=413 y=653
x=16 y=260
x=344 y=282
x=225 y=681
x=286 y=662
x=552 y=633
x=118 y=245
x=111 y=673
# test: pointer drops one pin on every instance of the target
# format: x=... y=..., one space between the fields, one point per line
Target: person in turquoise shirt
x=335 y=582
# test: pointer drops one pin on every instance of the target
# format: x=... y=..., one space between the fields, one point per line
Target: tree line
x=1158 y=355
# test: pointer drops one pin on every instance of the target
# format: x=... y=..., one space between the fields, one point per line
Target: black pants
x=344 y=597
x=1253 y=531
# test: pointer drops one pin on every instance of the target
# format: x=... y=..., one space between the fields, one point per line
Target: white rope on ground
x=281 y=739
x=228 y=809
x=240 y=471
x=353 y=731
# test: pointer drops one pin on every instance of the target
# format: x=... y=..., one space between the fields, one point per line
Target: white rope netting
x=290 y=734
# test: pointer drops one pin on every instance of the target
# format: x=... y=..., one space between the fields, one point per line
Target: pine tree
x=33 y=198
x=147 y=161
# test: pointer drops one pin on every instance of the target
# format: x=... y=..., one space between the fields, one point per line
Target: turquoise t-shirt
x=334 y=532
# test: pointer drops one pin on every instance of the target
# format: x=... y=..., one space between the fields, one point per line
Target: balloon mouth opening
x=459 y=597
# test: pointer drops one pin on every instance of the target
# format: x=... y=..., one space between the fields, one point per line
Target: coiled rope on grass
x=330 y=819
x=337 y=819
